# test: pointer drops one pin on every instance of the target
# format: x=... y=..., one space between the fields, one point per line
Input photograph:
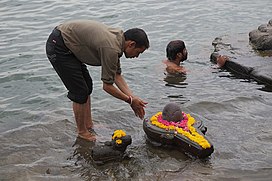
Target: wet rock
x=261 y=38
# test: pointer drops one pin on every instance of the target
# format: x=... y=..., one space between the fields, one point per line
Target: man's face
x=184 y=55
x=181 y=56
x=132 y=52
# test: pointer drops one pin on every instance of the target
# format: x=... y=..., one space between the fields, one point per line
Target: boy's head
x=176 y=50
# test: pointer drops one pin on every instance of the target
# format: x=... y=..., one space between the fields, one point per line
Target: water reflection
x=175 y=80
x=147 y=162
x=266 y=88
x=82 y=150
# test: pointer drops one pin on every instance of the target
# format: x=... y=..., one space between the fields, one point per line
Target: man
x=239 y=70
x=76 y=43
x=176 y=53
x=223 y=61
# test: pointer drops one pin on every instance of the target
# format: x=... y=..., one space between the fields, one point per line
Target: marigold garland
x=183 y=127
x=117 y=134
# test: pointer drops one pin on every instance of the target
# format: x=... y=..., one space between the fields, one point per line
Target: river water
x=37 y=129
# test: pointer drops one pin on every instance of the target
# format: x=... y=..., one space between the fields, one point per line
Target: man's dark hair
x=173 y=48
x=139 y=36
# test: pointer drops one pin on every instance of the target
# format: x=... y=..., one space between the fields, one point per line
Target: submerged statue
x=179 y=130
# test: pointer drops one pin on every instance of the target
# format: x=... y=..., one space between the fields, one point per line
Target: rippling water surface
x=37 y=129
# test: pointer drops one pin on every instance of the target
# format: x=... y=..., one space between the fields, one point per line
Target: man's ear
x=179 y=55
x=132 y=44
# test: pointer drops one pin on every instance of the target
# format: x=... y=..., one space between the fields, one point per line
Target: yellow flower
x=118 y=141
x=118 y=134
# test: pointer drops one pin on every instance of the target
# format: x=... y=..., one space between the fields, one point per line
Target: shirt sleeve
x=110 y=64
x=119 y=70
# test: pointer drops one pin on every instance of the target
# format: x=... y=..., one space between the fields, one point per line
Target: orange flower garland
x=191 y=134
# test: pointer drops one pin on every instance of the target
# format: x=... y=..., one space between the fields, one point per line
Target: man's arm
x=238 y=69
x=122 y=85
x=112 y=90
x=124 y=93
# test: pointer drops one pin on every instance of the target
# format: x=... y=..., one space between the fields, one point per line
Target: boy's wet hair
x=173 y=48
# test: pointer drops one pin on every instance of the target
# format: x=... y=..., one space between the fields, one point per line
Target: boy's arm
x=236 y=68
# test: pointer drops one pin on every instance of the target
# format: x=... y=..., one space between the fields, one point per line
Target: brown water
x=37 y=131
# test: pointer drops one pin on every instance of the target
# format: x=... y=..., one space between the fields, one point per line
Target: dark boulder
x=261 y=38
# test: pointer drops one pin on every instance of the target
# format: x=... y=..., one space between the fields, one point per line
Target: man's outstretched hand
x=138 y=106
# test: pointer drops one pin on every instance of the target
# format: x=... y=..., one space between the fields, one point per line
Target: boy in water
x=176 y=53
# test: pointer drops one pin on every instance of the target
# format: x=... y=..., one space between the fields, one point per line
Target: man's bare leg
x=89 y=121
x=81 y=116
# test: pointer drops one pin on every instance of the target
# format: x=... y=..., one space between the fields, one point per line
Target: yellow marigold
x=155 y=117
x=118 y=134
x=118 y=141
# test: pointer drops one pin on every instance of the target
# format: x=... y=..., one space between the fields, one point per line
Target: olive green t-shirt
x=95 y=44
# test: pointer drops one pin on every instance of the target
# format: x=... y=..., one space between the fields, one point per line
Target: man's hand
x=138 y=106
x=221 y=60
